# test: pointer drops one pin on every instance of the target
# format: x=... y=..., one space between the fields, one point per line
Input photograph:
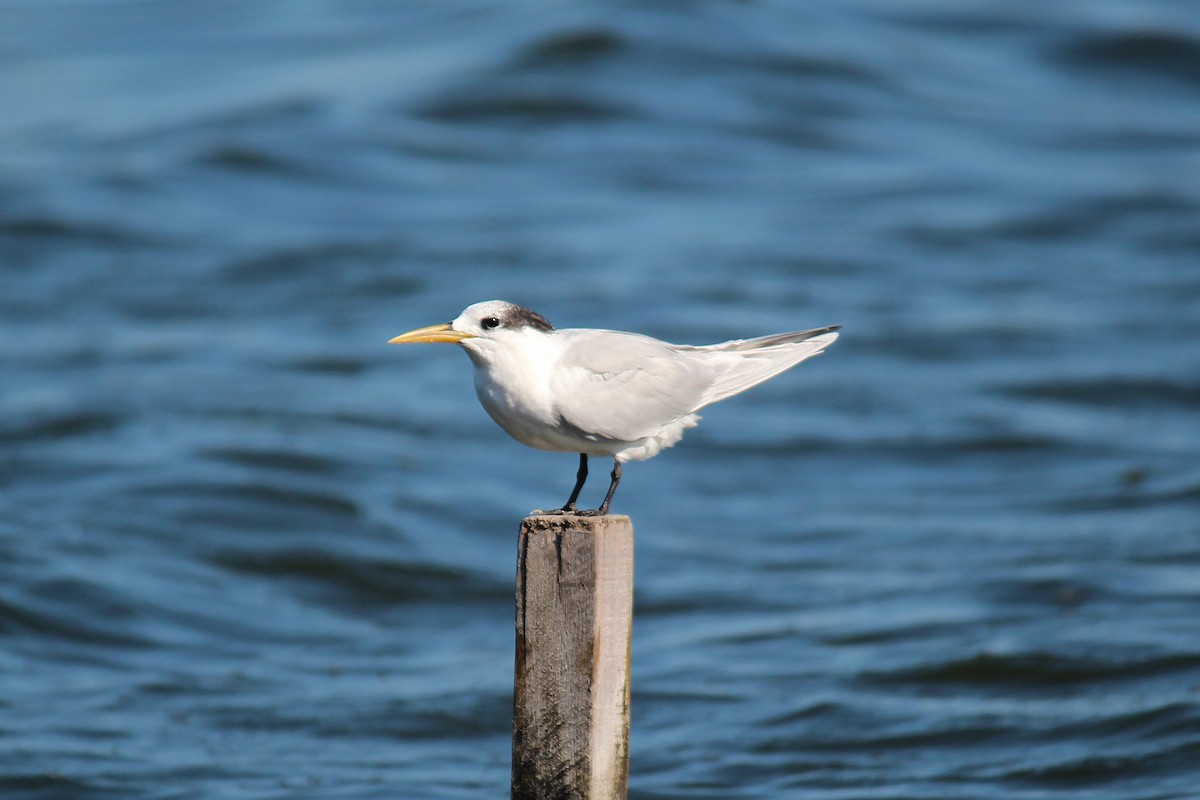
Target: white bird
x=604 y=393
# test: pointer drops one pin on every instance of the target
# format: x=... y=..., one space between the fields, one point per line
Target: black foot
x=579 y=512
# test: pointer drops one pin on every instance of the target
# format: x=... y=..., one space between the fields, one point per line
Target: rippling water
x=249 y=551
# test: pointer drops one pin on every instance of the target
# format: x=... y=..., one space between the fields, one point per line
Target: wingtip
x=815 y=332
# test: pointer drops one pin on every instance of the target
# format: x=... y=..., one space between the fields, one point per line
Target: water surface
x=249 y=551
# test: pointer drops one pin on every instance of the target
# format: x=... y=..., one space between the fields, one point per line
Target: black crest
x=518 y=317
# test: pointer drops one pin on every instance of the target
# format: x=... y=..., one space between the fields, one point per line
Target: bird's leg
x=615 y=475
x=569 y=508
x=612 y=489
x=580 y=477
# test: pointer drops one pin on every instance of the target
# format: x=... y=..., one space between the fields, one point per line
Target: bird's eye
x=490 y=322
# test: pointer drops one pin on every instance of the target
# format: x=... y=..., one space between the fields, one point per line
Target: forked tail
x=743 y=363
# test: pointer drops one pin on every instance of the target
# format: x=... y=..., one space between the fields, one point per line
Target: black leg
x=580 y=477
x=612 y=489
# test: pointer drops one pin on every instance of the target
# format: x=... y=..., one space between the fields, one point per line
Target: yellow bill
x=433 y=333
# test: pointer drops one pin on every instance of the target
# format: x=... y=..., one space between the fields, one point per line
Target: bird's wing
x=624 y=386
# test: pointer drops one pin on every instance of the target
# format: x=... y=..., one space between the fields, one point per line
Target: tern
x=604 y=393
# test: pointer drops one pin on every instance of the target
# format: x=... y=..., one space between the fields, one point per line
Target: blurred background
x=247 y=550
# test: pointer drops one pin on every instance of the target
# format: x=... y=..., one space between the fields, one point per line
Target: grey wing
x=623 y=386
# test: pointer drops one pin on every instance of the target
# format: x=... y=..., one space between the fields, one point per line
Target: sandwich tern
x=600 y=392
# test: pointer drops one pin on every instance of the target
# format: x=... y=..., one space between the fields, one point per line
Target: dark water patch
x=1125 y=499
x=825 y=67
x=281 y=460
x=932 y=345
x=757 y=65
x=443 y=143
x=126 y=181
x=469 y=716
x=1175 y=557
x=841 y=728
x=174 y=307
x=442 y=716
x=785 y=269
x=824 y=709
x=907 y=448
x=869 y=737
x=686 y=605
x=336 y=262
x=1020 y=443
x=583 y=47
x=1143 y=724
x=805 y=135
x=238 y=632
x=246 y=158
x=342 y=366
x=388 y=419
x=246 y=718
x=65 y=426
x=1185 y=242
x=789 y=106
x=253 y=505
x=93 y=734
x=1047 y=226
x=1157 y=393
x=493 y=252
x=676 y=696
x=1034 y=671
x=50 y=785
x=939 y=236
x=1064 y=223
x=1155 y=768
x=391 y=421
x=286 y=110
x=1149 y=202
x=758 y=634
x=70 y=612
x=179 y=683
x=1122 y=138
x=657 y=176
x=523 y=107
x=982 y=21
x=1055 y=593
x=362 y=582
x=1172 y=55
x=391 y=284
x=911 y=633
x=47 y=229
x=40 y=469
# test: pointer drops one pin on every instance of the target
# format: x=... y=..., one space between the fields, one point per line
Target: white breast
x=512 y=381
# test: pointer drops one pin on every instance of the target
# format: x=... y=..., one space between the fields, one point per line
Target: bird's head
x=481 y=325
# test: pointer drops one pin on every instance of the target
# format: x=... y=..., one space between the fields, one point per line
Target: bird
x=602 y=392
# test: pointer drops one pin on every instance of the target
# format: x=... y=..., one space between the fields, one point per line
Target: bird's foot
x=554 y=512
x=578 y=512
x=591 y=512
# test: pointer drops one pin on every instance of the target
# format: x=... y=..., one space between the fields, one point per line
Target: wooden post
x=571 y=687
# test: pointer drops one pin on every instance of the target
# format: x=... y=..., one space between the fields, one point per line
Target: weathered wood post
x=571 y=686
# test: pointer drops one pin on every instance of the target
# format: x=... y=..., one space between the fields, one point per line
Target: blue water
x=247 y=550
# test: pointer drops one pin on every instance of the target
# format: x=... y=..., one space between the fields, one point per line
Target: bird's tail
x=743 y=363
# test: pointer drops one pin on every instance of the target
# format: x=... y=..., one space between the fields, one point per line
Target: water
x=249 y=551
